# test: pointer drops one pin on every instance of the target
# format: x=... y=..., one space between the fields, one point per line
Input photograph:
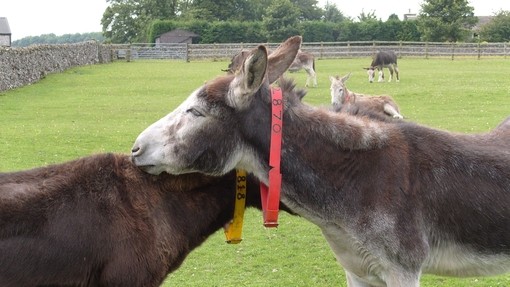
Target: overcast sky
x=37 y=17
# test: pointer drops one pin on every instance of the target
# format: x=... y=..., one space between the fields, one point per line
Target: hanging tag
x=235 y=228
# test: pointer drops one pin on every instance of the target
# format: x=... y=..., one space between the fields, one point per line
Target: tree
x=332 y=14
x=126 y=21
x=446 y=20
x=367 y=16
x=498 y=29
x=281 y=20
x=222 y=10
x=308 y=9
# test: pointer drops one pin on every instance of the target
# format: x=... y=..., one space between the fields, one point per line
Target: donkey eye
x=195 y=112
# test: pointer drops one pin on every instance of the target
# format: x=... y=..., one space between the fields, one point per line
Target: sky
x=37 y=17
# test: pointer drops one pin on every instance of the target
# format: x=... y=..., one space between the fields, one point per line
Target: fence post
x=186 y=53
x=427 y=50
x=348 y=48
x=215 y=51
x=479 y=50
x=453 y=50
x=128 y=53
x=321 y=54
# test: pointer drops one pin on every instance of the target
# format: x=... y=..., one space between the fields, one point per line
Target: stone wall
x=27 y=65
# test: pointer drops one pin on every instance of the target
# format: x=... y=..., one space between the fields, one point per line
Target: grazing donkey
x=101 y=221
x=383 y=59
x=303 y=60
x=344 y=100
x=393 y=199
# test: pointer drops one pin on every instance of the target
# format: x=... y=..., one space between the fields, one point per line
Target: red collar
x=270 y=196
x=347 y=96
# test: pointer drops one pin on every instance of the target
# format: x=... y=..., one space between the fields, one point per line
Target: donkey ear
x=345 y=78
x=249 y=79
x=332 y=79
x=281 y=58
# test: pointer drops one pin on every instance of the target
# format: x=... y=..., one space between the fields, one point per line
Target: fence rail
x=321 y=50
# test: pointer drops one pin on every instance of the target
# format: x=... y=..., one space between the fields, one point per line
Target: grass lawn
x=103 y=108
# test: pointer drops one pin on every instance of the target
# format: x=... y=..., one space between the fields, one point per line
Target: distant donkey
x=383 y=59
x=347 y=101
x=303 y=60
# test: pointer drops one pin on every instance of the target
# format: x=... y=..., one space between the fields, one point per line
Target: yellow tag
x=235 y=228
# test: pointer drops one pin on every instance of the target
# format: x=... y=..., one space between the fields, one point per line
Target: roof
x=4 y=26
x=180 y=33
x=482 y=20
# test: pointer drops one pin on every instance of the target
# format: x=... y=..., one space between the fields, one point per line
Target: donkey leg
x=308 y=78
x=381 y=75
x=391 y=73
x=403 y=279
x=354 y=281
x=311 y=77
x=396 y=73
x=392 y=111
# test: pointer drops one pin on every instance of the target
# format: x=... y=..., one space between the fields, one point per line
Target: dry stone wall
x=27 y=65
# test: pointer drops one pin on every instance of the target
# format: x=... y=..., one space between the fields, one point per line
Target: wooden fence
x=321 y=50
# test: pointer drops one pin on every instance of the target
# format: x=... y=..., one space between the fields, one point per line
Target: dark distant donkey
x=394 y=200
x=100 y=221
x=383 y=59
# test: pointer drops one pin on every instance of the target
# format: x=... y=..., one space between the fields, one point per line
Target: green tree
x=308 y=9
x=319 y=31
x=362 y=17
x=126 y=21
x=332 y=14
x=281 y=20
x=54 y=39
x=409 y=31
x=446 y=20
x=498 y=29
x=222 y=10
x=389 y=29
x=369 y=30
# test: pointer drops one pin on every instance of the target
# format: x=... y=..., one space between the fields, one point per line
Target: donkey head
x=237 y=61
x=371 y=73
x=339 y=92
x=203 y=134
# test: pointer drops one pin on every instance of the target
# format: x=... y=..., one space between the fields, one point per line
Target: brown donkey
x=347 y=101
x=393 y=199
x=100 y=221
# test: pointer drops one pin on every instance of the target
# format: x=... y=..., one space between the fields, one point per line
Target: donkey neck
x=344 y=131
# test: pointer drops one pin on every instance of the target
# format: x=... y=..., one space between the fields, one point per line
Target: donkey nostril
x=135 y=150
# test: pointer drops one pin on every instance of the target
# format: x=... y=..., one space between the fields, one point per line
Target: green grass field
x=103 y=108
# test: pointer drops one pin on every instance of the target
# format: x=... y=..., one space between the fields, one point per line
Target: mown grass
x=103 y=108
